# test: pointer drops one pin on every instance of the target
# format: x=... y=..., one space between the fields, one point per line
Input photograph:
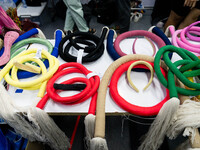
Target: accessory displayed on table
x=128 y=34
x=31 y=122
x=26 y=35
x=160 y=33
x=162 y=123
x=183 y=42
x=58 y=34
x=99 y=142
x=129 y=72
x=23 y=57
x=115 y=51
x=93 y=46
x=91 y=84
x=131 y=108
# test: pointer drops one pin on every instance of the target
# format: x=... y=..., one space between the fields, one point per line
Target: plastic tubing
x=189 y=61
x=100 y=111
x=178 y=43
x=183 y=42
x=58 y=37
x=110 y=48
x=15 y=50
x=93 y=46
x=160 y=33
x=196 y=29
x=39 y=83
x=131 y=108
x=26 y=35
x=91 y=81
x=128 y=34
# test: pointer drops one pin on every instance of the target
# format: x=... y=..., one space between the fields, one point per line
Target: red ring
x=90 y=90
x=134 y=109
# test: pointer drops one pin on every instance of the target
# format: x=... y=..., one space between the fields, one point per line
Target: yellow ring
x=39 y=83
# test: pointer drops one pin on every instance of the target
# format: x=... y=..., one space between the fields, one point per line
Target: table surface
x=151 y=96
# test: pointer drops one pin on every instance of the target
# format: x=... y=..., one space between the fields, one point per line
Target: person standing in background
x=183 y=13
x=74 y=15
x=124 y=13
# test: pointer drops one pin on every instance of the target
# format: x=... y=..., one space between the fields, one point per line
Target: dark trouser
x=124 y=10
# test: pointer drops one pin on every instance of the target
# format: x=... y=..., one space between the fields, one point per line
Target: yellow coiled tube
x=39 y=83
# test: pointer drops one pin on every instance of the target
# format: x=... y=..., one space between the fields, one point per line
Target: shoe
x=160 y=24
x=92 y=30
x=132 y=16
x=67 y=32
x=137 y=16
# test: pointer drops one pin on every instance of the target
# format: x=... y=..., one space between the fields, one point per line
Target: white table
x=154 y=94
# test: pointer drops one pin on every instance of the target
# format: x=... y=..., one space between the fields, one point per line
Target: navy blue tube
x=58 y=38
x=159 y=33
x=110 y=48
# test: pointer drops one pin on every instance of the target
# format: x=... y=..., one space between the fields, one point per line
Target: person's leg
x=124 y=14
x=190 y=18
x=69 y=22
x=76 y=12
x=174 y=19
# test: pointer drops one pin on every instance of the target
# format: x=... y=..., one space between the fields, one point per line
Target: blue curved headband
x=161 y=34
x=110 y=48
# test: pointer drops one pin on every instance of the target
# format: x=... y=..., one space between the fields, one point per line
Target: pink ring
x=175 y=38
x=182 y=36
x=125 y=35
x=178 y=43
x=170 y=29
x=194 y=38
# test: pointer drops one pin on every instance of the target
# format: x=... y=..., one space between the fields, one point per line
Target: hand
x=190 y=3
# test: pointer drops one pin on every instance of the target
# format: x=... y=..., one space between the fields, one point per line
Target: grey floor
x=48 y=26
x=121 y=133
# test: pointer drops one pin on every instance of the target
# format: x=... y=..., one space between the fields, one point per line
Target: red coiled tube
x=92 y=85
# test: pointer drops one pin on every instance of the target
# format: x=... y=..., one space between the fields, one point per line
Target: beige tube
x=100 y=110
x=27 y=67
